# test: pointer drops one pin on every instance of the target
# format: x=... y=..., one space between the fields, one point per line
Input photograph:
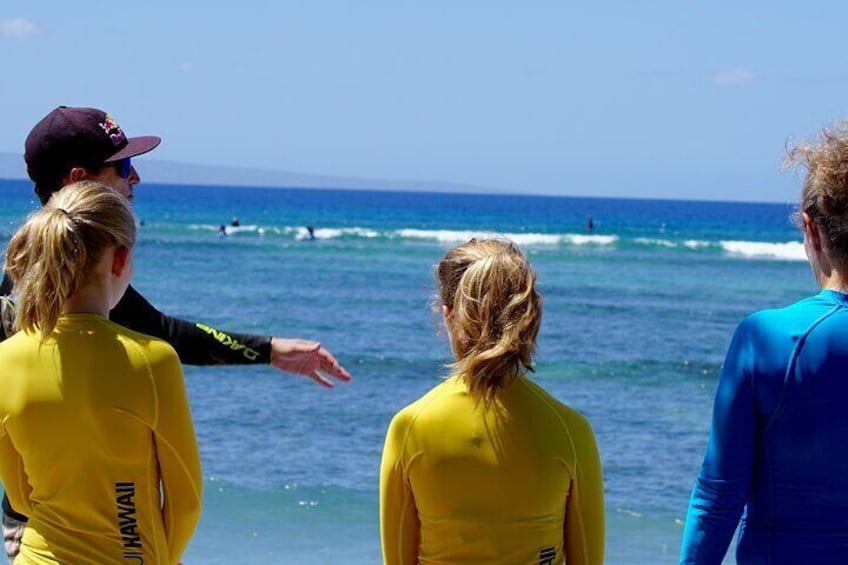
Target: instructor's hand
x=308 y=358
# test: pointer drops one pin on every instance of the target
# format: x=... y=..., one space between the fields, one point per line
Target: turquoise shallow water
x=637 y=318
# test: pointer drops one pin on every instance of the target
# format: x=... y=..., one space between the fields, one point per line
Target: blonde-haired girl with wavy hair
x=487 y=467
x=97 y=446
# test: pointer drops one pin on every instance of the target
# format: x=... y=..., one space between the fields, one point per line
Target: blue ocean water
x=637 y=318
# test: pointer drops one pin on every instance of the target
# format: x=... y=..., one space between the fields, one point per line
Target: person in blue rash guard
x=777 y=456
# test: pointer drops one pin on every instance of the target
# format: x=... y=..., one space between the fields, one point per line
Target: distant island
x=732 y=186
x=168 y=172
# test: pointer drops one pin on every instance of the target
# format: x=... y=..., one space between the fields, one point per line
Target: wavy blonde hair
x=495 y=312
x=51 y=255
x=824 y=193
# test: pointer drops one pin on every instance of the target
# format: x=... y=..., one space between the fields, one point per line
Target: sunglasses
x=124 y=167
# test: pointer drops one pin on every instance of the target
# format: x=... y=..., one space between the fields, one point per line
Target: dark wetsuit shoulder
x=195 y=343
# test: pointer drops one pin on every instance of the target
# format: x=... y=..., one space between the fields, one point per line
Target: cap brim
x=135 y=146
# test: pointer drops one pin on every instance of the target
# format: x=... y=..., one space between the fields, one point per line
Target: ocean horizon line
x=166 y=172
x=397 y=190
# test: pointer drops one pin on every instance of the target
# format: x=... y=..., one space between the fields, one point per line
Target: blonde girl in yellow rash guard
x=487 y=467
x=97 y=446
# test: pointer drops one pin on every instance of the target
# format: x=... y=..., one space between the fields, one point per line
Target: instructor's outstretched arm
x=199 y=344
x=307 y=358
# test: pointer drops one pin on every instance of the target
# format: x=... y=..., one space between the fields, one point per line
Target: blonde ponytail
x=51 y=255
x=494 y=313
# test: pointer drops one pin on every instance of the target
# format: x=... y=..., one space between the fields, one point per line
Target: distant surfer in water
x=222 y=231
x=235 y=223
x=311 y=231
x=590 y=225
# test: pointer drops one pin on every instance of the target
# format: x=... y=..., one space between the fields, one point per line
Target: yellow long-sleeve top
x=92 y=421
x=519 y=482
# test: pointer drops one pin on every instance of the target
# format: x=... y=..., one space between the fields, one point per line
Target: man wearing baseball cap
x=73 y=144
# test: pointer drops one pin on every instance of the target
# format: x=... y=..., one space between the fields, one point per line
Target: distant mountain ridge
x=168 y=172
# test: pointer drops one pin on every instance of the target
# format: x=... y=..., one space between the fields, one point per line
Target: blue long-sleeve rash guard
x=778 y=449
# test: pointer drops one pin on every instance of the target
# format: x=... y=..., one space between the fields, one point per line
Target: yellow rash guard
x=91 y=420
x=517 y=483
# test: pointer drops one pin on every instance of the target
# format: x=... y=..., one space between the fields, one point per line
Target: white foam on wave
x=789 y=251
x=204 y=227
x=461 y=236
x=534 y=238
x=656 y=242
x=579 y=239
x=233 y=230
x=444 y=236
x=272 y=229
x=301 y=233
x=229 y=230
x=688 y=244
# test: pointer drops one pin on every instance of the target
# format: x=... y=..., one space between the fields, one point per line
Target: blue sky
x=669 y=99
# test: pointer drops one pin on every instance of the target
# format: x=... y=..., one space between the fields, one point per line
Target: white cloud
x=734 y=77
x=17 y=27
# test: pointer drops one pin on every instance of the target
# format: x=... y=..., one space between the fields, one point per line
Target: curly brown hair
x=824 y=193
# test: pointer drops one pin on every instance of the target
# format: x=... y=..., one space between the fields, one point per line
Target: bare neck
x=836 y=280
x=92 y=298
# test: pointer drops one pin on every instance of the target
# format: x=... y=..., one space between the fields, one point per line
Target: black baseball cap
x=71 y=137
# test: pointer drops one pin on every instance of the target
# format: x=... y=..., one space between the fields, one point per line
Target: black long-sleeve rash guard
x=195 y=343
